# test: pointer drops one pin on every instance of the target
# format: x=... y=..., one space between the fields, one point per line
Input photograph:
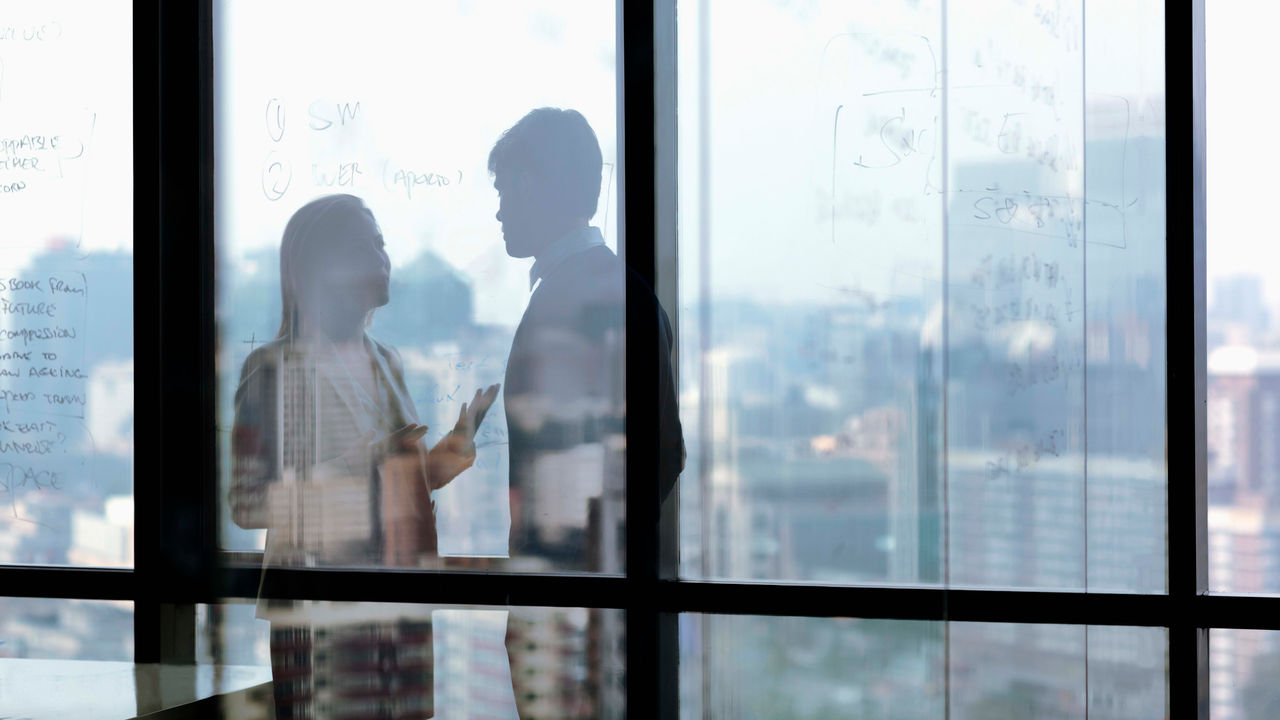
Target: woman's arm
x=253 y=445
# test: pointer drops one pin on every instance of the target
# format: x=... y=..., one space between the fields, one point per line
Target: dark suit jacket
x=565 y=391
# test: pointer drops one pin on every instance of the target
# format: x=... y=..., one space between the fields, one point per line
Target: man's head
x=546 y=169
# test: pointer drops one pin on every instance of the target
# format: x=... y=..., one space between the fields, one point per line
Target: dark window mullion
x=666 y=286
x=72 y=583
x=175 y=433
x=1187 y=559
x=729 y=598
x=147 y=533
x=638 y=212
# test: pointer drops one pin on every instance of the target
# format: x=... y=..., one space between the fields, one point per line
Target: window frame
x=177 y=562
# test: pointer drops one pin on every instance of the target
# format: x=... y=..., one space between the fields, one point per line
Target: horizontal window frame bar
x=1255 y=612
x=70 y=583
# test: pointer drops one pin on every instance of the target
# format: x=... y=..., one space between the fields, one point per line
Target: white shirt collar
x=578 y=241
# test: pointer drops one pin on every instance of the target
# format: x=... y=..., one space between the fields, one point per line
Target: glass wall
x=375 y=244
x=66 y=283
x=1242 y=670
x=751 y=666
x=922 y=312
x=50 y=629
x=1243 y=345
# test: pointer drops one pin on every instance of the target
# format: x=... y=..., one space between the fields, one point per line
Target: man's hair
x=558 y=147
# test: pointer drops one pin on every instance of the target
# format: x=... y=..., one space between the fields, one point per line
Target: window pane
x=74 y=659
x=735 y=666
x=66 y=283
x=1243 y=665
x=1058 y=671
x=344 y=659
x=923 y=326
x=749 y=666
x=53 y=629
x=1243 y=284
x=402 y=114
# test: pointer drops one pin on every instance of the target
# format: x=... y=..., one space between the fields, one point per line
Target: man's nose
x=498 y=215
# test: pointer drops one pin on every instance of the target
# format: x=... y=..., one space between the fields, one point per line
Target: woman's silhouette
x=327 y=452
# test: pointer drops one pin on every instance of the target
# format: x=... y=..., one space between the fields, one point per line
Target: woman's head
x=334 y=269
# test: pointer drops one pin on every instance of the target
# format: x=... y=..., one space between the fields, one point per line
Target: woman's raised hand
x=472 y=414
x=457 y=450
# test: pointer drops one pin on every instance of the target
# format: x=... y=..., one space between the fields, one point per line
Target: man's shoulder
x=592 y=273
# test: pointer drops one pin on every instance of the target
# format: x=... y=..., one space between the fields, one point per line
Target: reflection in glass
x=55 y=629
x=1243 y=666
x=809 y=668
x=922 y=320
x=1058 y=671
x=388 y=660
x=751 y=666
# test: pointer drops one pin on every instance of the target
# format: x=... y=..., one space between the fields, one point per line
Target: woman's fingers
x=404 y=437
x=401 y=432
x=464 y=421
x=480 y=406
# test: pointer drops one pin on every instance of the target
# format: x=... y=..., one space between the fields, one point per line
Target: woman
x=327 y=451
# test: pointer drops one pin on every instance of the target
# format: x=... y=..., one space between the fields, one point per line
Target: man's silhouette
x=565 y=389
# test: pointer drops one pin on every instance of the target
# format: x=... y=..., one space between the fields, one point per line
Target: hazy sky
x=438 y=82
x=1238 y=111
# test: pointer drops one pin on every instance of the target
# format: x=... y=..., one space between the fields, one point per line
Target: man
x=565 y=391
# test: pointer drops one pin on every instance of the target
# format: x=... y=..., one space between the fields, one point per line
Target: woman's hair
x=312 y=228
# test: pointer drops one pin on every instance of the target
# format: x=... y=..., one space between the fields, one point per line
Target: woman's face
x=353 y=268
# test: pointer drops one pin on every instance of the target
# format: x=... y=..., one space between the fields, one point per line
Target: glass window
x=922 y=313
x=1243 y=346
x=1001 y=670
x=343 y=659
x=75 y=658
x=1243 y=665
x=54 y=629
x=922 y=280
x=738 y=666
x=66 y=284
x=810 y=668
x=399 y=236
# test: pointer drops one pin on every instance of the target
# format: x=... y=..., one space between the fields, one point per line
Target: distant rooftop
x=1243 y=360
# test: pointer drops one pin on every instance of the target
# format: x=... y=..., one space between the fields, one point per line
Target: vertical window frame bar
x=1186 y=456
x=147 y=362
x=638 y=214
